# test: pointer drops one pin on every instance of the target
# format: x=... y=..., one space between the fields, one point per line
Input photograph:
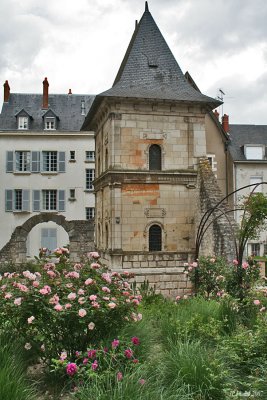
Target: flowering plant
x=64 y=305
x=208 y=275
x=114 y=359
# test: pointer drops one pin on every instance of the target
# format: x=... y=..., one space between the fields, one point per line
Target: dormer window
x=23 y=123
x=23 y=119
x=254 y=152
x=50 y=123
x=83 y=107
x=50 y=120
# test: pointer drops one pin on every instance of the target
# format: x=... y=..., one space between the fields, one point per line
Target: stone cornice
x=118 y=177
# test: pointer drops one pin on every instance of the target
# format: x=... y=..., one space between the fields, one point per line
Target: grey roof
x=241 y=135
x=150 y=71
x=66 y=107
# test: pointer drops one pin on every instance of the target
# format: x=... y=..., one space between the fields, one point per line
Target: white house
x=47 y=164
x=248 y=166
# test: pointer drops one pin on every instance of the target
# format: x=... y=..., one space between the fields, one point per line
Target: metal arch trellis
x=205 y=223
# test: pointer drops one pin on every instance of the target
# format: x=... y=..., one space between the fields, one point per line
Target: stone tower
x=149 y=132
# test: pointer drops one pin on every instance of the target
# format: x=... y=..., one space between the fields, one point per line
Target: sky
x=79 y=45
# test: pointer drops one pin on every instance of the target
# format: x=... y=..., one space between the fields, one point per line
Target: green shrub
x=64 y=306
x=13 y=383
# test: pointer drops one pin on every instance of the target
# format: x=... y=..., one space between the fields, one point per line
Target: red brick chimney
x=216 y=114
x=225 y=123
x=6 y=91
x=45 y=93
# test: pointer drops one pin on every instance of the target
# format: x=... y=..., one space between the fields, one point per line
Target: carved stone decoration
x=155 y=212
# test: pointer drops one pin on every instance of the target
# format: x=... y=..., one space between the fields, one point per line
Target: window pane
x=90 y=176
x=254 y=152
x=50 y=161
x=50 y=200
x=155 y=158
x=155 y=238
x=18 y=200
x=90 y=212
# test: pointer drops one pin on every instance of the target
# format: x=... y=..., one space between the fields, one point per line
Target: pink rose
x=82 y=313
x=80 y=291
x=30 y=320
x=235 y=262
x=257 y=302
x=95 y=266
x=128 y=353
x=245 y=265
x=8 y=296
x=67 y=306
x=142 y=381
x=93 y=297
x=112 y=305
x=93 y=254
x=91 y=354
x=17 y=301
x=106 y=289
x=54 y=299
x=58 y=307
x=119 y=376
x=35 y=284
x=135 y=340
x=91 y=326
x=72 y=296
x=88 y=281
x=94 y=365
x=115 y=343
x=71 y=369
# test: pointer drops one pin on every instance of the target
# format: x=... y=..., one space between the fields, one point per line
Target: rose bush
x=112 y=359
x=64 y=305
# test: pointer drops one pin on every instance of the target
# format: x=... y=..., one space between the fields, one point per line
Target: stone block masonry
x=81 y=238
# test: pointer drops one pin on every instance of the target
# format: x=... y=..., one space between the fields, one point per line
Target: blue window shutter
x=61 y=161
x=9 y=200
x=9 y=161
x=35 y=164
x=36 y=200
x=25 y=200
x=61 y=200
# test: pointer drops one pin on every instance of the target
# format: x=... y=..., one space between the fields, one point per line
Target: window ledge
x=72 y=199
x=49 y=172
x=89 y=161
x=88 y=190
x=21 y=172
x=20 y=212
x=72 y=161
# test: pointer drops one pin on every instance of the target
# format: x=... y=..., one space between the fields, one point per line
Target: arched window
x=106 y=236
x=155 y=238
x=106 y=159
x=154 y=157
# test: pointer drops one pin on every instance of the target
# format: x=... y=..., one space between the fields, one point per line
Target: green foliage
x=188 y=363
x=13 y=382
x=64 y=306
x=254 y=220
x=208 y=276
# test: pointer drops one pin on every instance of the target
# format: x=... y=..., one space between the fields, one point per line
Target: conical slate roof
x=149 y=70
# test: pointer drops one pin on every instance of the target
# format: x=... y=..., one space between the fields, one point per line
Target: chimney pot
x=6 y=91
x=45 y=93
x=216 y=113
x=225 y=123
x=70 y=92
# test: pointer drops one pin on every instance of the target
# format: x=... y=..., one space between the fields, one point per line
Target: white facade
x=45 y=171
x=248 y=173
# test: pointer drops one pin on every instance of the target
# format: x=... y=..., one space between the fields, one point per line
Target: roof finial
x=146 y=6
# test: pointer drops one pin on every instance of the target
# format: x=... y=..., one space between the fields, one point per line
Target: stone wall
x=81 y=237
x=163 y=271
x=219 y=239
